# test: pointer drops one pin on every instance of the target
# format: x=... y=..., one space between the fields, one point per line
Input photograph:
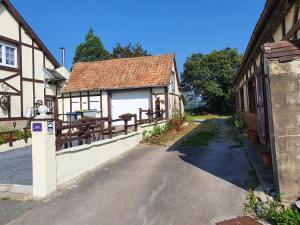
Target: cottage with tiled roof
x=119 y=86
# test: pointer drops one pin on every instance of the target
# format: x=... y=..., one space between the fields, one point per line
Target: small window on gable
x=8 y=55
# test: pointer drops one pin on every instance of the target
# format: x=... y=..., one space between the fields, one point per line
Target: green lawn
x=204 y=133
x=204 y=117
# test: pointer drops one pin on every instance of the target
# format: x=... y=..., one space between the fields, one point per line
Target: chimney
x=63 y=52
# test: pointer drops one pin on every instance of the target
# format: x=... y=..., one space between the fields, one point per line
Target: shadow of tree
x=219 y=158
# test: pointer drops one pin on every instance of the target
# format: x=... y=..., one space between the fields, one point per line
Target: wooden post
x=167 y=102
x=126 y=126
x=109 y=129
x=10 y=138
x=101 y=129
x=149 y=115
x=25 y=135
x=58 y=135
x=141 y=119
x=135 y=123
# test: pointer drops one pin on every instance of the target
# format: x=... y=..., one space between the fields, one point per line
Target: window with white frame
x=8 y=55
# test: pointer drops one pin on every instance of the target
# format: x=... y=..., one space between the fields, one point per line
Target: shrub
x=176 y=121
x=17 y=135
x=157 y=130
x=272 y=212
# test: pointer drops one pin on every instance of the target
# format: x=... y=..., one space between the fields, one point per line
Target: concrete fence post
x=43 y=157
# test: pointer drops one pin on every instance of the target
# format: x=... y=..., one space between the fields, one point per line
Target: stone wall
x=284 y=111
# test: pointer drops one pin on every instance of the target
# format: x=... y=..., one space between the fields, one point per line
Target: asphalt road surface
x=154 y=185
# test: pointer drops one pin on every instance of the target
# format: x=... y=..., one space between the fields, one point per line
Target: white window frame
x=3 y=46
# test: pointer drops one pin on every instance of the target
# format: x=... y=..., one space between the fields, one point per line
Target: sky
x=161 y=26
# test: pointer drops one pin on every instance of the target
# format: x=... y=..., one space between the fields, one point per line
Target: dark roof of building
x=147 y=71
x=29 y=30
x=283 y=50
x=54 y=75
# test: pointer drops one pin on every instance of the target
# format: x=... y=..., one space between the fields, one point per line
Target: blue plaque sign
x=50 y=127
x=37 y=127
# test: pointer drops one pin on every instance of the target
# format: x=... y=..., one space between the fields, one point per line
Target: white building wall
x=9 y=29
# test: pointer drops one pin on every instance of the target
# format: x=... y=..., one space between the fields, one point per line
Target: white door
x=129 y=102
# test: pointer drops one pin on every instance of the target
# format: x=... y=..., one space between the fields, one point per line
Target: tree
x=211 y=78
x=128 y=51
x=92 y=49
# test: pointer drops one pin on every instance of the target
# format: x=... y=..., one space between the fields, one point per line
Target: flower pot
x=253 y=137
x=267 y=158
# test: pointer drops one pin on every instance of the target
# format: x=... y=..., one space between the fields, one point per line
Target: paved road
x=154 y=185
x=16 y=166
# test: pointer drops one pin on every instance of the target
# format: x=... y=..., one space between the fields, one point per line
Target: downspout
x=270 y=120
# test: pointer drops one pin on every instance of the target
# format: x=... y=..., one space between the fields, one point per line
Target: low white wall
x=16 y=145
x=75 y=161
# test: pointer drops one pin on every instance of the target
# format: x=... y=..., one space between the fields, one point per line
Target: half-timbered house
x=119 y=86
x=267 y=90
x=29 y=73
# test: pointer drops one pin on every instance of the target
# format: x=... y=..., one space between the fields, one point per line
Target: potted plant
x=126 y=116
x=266 y=157
x=253 y=136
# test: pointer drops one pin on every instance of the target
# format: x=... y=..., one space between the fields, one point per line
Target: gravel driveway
x=16 y=166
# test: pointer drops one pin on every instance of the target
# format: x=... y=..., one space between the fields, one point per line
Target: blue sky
x=161 y=26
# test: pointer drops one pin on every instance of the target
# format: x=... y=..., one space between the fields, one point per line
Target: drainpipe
x=63 y=54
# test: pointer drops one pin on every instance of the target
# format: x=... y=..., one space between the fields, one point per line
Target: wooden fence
x=88 y=130
x=91 y=130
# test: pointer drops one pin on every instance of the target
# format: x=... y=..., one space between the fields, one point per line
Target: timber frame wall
x=279 y=21
x=25 y=82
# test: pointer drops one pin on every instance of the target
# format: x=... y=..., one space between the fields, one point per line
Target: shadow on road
x=222 y=157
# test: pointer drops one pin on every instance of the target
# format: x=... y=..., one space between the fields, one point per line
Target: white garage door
x=130 y=102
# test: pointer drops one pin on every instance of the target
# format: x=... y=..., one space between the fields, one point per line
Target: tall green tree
x=211 y=77
x=92 y=49
x=128 y=51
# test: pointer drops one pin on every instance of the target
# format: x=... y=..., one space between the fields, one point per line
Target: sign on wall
x=37 y=127
x=50 y=127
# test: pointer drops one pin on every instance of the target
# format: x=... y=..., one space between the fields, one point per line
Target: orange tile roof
x=147 y=71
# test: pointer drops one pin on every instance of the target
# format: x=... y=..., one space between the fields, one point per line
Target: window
x=251 y=95
x=8 y=55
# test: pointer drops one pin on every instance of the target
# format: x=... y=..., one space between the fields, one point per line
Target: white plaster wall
x=289 y=19
x=25 y=37
x=277 y=36
x=258 y=59
x=50 y=89
x=39 y=64
x=75 y=161
x=104 y=104
x=48 y=64
x=27 y=96
x=15 y=106
x=9 y=26
x=27 y=62
x=84 y=103
x=39 y=91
